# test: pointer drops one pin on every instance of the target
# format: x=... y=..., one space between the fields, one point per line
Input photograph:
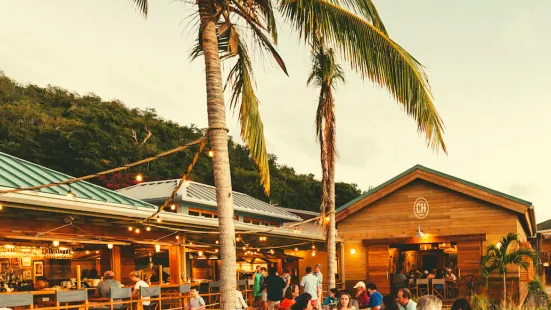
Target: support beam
x=116 y=262
x=175 y=261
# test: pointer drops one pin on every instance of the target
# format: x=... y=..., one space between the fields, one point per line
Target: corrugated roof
x=544 y=225
x=19 y=173
x=194 y=192
x=444 y=175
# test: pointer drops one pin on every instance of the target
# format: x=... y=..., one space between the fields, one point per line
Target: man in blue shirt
x=375 y=298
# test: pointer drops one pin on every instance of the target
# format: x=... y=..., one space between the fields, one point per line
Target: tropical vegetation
x=507 y=252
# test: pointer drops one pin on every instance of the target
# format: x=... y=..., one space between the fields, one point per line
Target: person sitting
x=345 y=302
x=361 y=295
x=375 y=298
x=389 y=303
x=432 y=275
x=104 y=287
x=303 y=302
x=289 y=299
x=400 y=280
x=331 y=298
x=450 y=277
x=429 y=302
x=135 y=277
x=403 y=298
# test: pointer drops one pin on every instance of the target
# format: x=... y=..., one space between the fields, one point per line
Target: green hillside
x=82 y=134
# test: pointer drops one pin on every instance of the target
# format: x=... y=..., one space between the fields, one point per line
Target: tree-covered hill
x=82 y=134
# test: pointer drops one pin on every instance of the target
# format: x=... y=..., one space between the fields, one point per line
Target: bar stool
x=120 y=293
x=422 y=287
x=71 y=296
x=214 y=287
x=439 y=291
x=151 y=292
x=16 y=300
x=183 y=289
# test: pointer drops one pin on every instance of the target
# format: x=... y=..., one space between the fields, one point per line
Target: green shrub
x=480 y=302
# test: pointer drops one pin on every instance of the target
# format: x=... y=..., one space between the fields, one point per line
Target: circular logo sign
x=421 y=208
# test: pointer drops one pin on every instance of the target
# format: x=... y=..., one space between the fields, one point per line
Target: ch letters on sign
x=421 y=208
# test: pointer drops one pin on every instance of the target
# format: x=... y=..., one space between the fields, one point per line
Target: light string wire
x=201 y=141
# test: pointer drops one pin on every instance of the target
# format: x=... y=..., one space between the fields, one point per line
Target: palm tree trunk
x=219 y=145
x=504 y=301
x=331 y=146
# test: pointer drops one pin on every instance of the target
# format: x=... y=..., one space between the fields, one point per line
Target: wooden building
x=424 y=219
x=50 y=231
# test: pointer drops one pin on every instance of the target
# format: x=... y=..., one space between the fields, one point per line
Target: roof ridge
x=436 y=172
x=55 y=172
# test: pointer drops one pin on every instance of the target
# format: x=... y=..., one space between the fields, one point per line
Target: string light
x=177 y=237
x=157 y=248
x=200 y=253
x=139 y=177
x=1 y=207
x=272 y=251
x=216 y=250
x=296 y=249
x=327 y=218
x=313 y=246
x=211 y=153
x=110 y=246
x=263 y=238
x=137 y=230
x=158 y=218
x=70 y=194
x=87 y=252
x=217 y=241
x=97 y=252
x=148 y=228
x=55 y=243
x=130 y=228
x=172 y=207
x=237 y=239
x=313 y=253
x=244 y=248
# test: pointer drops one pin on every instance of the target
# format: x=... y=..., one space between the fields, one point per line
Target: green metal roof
x=544 y=225
x=18 y=173
x=447 y=176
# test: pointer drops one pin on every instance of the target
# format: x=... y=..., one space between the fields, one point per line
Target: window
x=205 y=213
x=260 y=222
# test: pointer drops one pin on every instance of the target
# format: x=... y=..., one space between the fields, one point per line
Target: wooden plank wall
x=450 y=213
x=378 y=260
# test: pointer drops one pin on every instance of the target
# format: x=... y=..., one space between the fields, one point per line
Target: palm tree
x=387 y=64
x=504 y=253
x=221 y=37
x=325 y=74
x=350 y=27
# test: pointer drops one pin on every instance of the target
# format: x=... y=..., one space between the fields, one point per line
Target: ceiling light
x=55 y=243
x=110 y=246
x=157 y=248
x=139 y=177
x=420 y=234
x=172 y=207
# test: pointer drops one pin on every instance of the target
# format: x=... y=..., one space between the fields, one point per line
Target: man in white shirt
x=135 y=276
x=240 y=303
x=310 y=285
x=403 y=299
x=450 y=277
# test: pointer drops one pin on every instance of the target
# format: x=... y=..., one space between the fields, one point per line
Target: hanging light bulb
x=1 y=207
x=158 y=218
x=313 y=253
x=137 y=230
x=216 y=250
x=87 y=252
x=200 y=253
x=177 y=237
x=211 y=153
x=97 y=252
x=172 y=207
x=271 y=251
x=70 y=194
x=130 y=228
x=217 y=242
x=244 y=248
x=55 y=243
x=139 y=177
x=110 y=246
x=237 y=239
x=157 y=248
x=148 y=228
x=313 y=246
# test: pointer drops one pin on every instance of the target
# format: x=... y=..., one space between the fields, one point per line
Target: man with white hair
x=429 y=302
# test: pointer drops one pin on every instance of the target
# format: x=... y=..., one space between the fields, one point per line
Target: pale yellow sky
x=488 y=63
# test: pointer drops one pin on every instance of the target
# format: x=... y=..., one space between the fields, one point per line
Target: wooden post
x=343 y=274
x=174 y=262
x=184 y=263
x=116 y=262
x=160 y=274
x=78 y=277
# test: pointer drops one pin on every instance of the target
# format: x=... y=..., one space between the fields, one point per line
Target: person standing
x=310 y=283
x=257 y=294
x=375 y=298
x=274 y=285
x=196 y=302
x=400 y=280
x=319 y=275
x=240 y=303
x=403 y=298
x=287 y=278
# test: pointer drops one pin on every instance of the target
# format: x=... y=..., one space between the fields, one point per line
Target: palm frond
x=369 y=51
x=367 y=10
x=240 y=79
x=142 y=5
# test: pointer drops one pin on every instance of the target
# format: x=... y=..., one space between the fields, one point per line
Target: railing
x=169 y=299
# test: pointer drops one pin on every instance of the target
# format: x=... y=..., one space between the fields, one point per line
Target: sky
x=488 y=64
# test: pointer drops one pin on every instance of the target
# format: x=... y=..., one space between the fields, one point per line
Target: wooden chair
x=412 y=286
x=439 y=288
x=214 y=287
x=120 y=294
x=154 y=295
x=422 y=287
x=183 y=290
x=16 y=300
x=71 y=296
